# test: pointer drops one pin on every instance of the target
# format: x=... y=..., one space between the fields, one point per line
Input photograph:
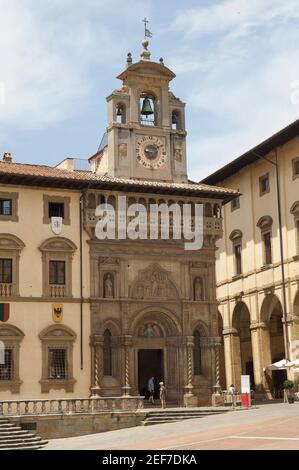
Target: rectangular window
x=58 y=364
x=296 y=167
x=57 y=272
x=238 y=259
x=267 y=248
x=235 y=204
x=6 y=364
x=5 y=271
x=264 y=184
x=5 y=206
x=56 y=209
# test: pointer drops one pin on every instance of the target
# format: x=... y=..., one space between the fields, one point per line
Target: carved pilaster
x=127 y=343
x=97 y=343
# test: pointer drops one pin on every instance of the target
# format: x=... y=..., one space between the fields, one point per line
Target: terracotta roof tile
x=43 y=171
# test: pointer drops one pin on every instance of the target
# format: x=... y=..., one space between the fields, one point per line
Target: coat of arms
x=57 y=312
x=56 y=225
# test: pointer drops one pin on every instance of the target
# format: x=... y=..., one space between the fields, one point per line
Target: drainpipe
x=81 y=278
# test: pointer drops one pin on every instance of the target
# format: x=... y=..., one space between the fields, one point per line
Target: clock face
x=151 y=152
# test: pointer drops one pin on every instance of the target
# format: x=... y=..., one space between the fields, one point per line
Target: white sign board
x=245 y=383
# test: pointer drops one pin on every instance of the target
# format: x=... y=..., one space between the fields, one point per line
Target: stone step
x=13 y=437
x=15 y=433
x=9 y=426
x=33 y=447
x=24 y=441
x=23 y=444
x=173 y=418
x=150 y=423
x=179 y=415
x=22 y=437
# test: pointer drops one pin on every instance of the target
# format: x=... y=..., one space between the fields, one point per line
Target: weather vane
x=147 y=33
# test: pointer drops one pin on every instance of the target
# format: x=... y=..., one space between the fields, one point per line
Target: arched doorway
x=221 y=353
x=157 y=353
x=273 y=343
x=150 y=357
x=242 y=346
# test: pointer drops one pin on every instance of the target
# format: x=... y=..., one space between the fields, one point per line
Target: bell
x=174 y=118
x=146 y=107
x=119 y=112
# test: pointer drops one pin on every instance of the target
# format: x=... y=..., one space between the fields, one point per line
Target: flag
x=4 y=312
x=148 y=34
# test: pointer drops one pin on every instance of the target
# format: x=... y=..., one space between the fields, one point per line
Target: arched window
x=148 y=113
x=107 y=353
x=120 y=113
x=10 y=340
x=176 y=122
x=197 y=353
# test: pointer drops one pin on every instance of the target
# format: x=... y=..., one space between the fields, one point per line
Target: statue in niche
x=155 y=287
x=198 y=288
x=108 y=286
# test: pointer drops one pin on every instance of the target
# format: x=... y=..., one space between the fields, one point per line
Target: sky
x=236 y=65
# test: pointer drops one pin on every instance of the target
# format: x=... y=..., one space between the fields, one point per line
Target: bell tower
x=146 y=136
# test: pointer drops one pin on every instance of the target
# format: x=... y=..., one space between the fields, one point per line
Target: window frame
x=265 y=234
x=11 y=337
x=10 y=248
x=236 y=239
x=57 y=337
x=57 y=249
x=13 y=197
x=237 y=206
x=261 y=179
x=295 y=162
x=56 y=280
x=238 y=258
x=2 y=281
x=65 y=200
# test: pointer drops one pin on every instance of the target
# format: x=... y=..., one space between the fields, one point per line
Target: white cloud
x=47 y=52
x=234 y=16
x=252 y=61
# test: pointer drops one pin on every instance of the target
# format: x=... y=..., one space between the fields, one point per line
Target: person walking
x=151 y=390
x=231 y=392
x=162 y=394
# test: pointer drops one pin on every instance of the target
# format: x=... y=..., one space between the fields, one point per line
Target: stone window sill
x=266 y=266
x=55 y=384
x=12 y=385
x=237 y=277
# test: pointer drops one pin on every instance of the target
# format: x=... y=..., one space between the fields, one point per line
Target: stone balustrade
x=57 y=290
x=211 y=225
x=5 y=289
x=69 y=406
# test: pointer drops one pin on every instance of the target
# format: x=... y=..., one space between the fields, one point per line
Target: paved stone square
x=266 y=427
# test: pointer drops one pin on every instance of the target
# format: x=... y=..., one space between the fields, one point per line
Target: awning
x=293 y=363
x=280 y=365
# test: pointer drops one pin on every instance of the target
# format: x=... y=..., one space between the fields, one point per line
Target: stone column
x=127 y=343
x=97 y=343
x=189 y=398
x=217 y=395
x=228 y=338
x=257 y=354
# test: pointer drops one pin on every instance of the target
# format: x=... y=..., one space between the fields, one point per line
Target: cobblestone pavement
x=269 y=426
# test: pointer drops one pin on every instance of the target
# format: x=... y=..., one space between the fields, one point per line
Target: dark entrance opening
x=278 y=377
x=150 y=364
